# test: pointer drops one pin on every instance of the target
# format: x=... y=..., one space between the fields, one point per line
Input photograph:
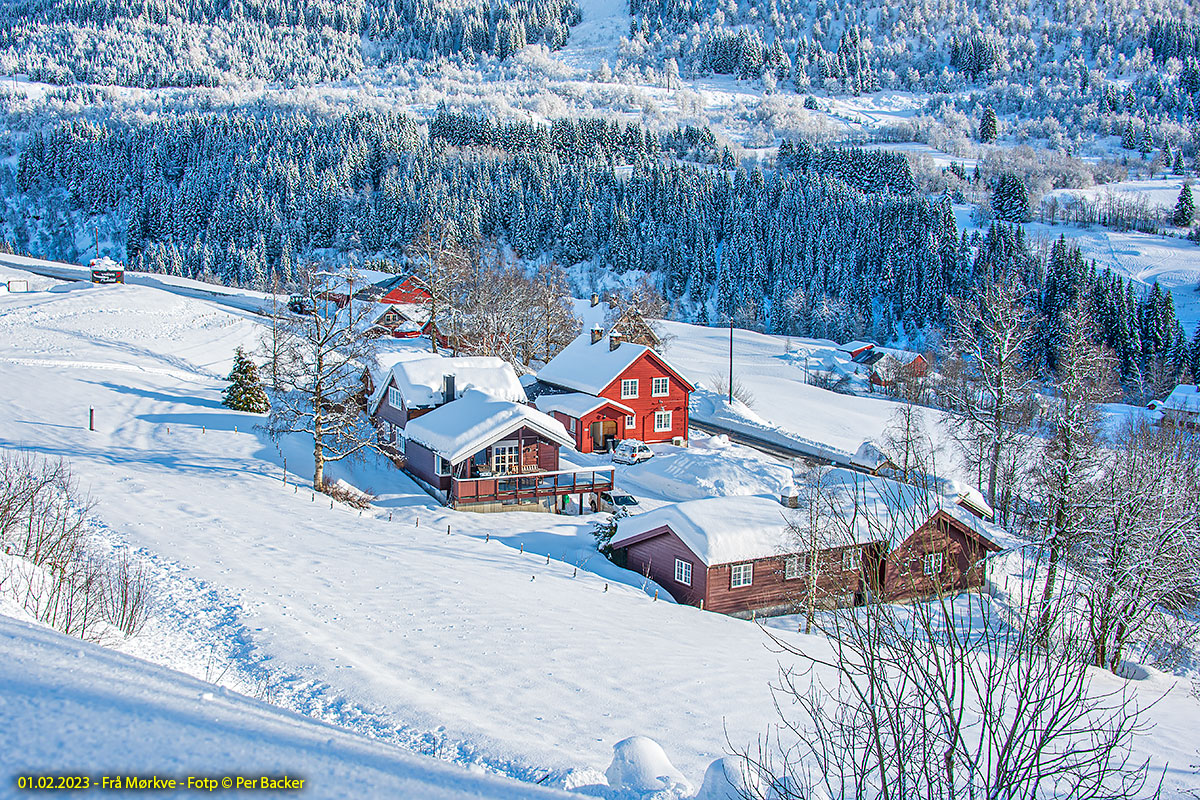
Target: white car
x=632 y=451
x=617 y=502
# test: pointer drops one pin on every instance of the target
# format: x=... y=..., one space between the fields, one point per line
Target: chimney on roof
x=790 y=497
x=597 y=334
x=614 y=341
x=447 y=388
x=595 y=299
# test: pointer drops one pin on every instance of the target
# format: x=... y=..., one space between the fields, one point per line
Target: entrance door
x=603 y=432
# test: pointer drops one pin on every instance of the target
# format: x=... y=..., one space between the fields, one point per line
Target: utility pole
x=731 y=361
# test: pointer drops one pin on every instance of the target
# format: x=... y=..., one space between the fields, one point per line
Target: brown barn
x=946 y=554
x=738 y=555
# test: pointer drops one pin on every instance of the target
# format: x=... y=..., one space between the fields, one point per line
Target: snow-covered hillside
x=67 y=702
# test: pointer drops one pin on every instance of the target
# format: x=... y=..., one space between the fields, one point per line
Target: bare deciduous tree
x=1137 y=553
x=1064 y=475
x=443 y=267
x=991 y=408
x=319 y=374
x=954 y=698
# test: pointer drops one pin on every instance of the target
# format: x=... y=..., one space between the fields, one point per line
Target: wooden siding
x=644 y=370
x=771 y=592
x=655 y=558
x=422 y=463
x=963 y=568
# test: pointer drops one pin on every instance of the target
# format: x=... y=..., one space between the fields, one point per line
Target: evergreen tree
x=1010 y=199
x=989 y=125
x=1185 y=207
x=245 y=391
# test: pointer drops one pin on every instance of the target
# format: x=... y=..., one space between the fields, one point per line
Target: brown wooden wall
x=655 y=557
x=771 y=591
x=904 y=577
x=421 y=462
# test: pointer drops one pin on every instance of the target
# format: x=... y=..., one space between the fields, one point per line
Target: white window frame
x=683 y=572
x=442 y=466
x=572 y=427
x=630 y=421
x=395 y=399
x=933 y=563
x=508 y=455
x=795 y=567
x=629 y=388
x=666 y=387
x=852 y=559
x=741 y=575
x=658 y=426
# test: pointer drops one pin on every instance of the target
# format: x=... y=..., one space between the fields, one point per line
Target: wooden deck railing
x=530 y=486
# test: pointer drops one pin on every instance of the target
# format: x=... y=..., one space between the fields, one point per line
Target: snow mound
x=640 y=767
x=708 y=469
x=730 y=778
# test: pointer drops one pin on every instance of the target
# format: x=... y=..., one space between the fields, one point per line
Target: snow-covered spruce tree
x=989 y=126
x=1185 y=208
x=320 y=378
x=245 y=391
x=1010 y=198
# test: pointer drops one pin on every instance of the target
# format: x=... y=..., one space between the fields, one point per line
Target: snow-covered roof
x=903 y=356
x=381 y=371
x=869 y=457
x=722 y=530
x=856 y=345
x=462 y=428
x=421 y=379
x=719 y=530
x=576 y=404
x=1183 y=398
x=587 y=367
x=349 y=281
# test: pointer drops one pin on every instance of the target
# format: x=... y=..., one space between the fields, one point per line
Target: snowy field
x=74 y=700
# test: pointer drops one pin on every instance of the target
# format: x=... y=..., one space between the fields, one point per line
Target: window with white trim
x=630 y=421
x=662 y=421
x=443 y=467
x=572 y=424
x=683 y=572
x=933 y=563
x=660 y=387
x=506 y=458
x=629 y=388
x=395 y=399
x=852 y=559
x=795 y=567
x=741 y=575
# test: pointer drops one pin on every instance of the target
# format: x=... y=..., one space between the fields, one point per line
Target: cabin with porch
x=483 y=453
x=1179 y=409
x=605 y=389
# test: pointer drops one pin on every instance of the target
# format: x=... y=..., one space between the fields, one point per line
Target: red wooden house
x=396 y=290
x=609 y=389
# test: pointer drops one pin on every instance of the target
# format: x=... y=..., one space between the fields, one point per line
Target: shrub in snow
x=730 y=778
x=245 y=391
x=640 y=767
